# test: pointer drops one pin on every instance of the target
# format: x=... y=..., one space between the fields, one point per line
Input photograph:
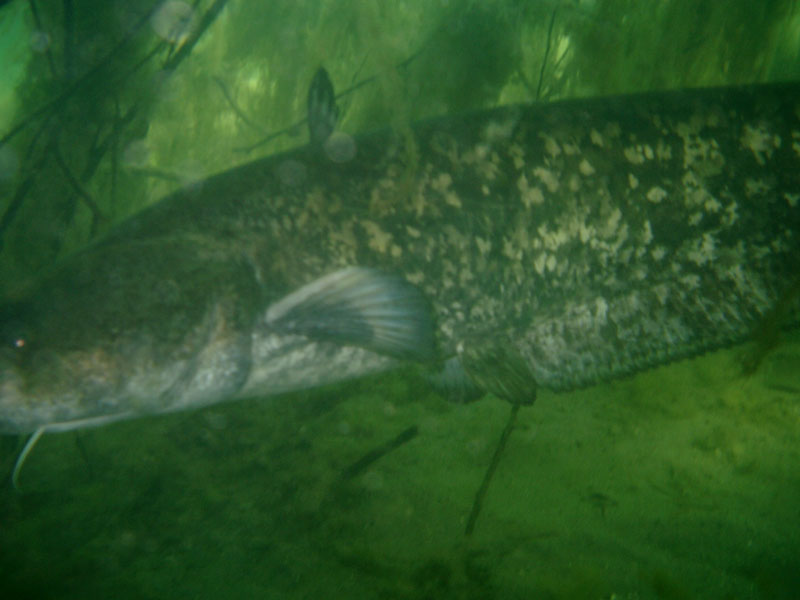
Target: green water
x=677 y=483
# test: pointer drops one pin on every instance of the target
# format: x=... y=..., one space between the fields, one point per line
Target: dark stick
x=239 y=112
x=23 y=188
x=15 y=204
x=370 y=457
x=97 y=214
x=487 y=478
x=546 y=54
x=78 y=83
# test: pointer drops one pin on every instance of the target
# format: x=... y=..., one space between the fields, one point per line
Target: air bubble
x=292 y=173
x=340 y=147
x=190 y=174
x=40 y=41
x=136 y=154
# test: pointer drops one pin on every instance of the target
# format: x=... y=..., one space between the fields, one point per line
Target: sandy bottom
x=683 y=482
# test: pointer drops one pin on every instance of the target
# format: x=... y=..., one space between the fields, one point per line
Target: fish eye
x=14 y=340
x=16 y=346
x=14 y=334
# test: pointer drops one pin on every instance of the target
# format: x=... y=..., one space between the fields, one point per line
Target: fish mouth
x=26 y=406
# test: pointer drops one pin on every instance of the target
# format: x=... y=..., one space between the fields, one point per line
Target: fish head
x=61 y=358
x=121 y=331
x=12 y=355
x=47 y=372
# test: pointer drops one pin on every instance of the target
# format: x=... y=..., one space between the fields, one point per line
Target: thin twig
x=370 y=457
x=487 y=478
x=546 y=54
x=78 y=83
x=42 y=128
x=154 y=173
x=97 y=214
x=15 y=204
x=23 y=188
x=239 y=112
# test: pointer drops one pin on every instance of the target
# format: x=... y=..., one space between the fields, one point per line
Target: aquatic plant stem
x=546 y=55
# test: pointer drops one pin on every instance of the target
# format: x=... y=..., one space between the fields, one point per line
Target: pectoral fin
x=452 y=382
x=359 y=307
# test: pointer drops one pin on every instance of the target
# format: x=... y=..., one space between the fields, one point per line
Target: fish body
x=581 y=240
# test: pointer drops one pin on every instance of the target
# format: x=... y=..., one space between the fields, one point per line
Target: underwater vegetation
x=110 y=105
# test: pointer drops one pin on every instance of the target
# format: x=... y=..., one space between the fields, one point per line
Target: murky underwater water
x=680 y=482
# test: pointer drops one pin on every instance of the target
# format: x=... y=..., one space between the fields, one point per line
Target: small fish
x=543 y=246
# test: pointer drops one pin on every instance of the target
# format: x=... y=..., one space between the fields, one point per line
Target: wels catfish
x=544 y=245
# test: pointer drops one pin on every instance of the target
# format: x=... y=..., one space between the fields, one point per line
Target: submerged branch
x=235 y=107
x=97 y=214
x=14 y=206
x=546 y=54
x=370 y=457
x=78 y=84
x=487 y=478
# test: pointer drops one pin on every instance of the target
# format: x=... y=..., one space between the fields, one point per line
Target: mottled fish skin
x=599 y=236
x=603 y=235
